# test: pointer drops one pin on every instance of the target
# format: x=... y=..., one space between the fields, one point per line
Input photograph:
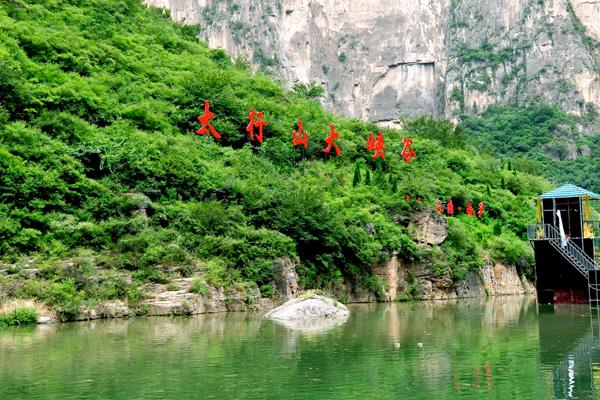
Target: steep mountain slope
x=379 y=60
x=105 y=187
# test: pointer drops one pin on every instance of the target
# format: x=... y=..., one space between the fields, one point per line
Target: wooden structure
x=566 y=247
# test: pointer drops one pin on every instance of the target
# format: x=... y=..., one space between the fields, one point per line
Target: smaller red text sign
x=481 y=210
x=470 y=209
x=450 y=207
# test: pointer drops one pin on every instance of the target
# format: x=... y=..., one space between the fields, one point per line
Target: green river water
x=503 y=348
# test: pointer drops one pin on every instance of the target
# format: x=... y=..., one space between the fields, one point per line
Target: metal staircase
x=573 y=254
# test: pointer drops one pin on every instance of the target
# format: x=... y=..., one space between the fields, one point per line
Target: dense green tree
x=356 y=178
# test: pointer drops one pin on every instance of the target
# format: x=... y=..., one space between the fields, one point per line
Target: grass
x=20 y=312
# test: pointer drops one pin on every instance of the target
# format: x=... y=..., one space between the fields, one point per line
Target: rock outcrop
x=309 y=307
x=286 y=278
x=405 y=281
x=379 y=60
x=310 y=313
x=430 y=228
x=175 y=298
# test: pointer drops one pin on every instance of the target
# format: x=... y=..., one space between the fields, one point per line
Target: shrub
x=199 y=286
x=66 y=299
x=19 y=316
x=266 y=291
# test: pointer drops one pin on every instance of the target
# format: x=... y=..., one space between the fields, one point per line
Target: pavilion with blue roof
x=566 y=241
x=569 y=190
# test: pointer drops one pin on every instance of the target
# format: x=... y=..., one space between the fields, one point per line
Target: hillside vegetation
x=541 y=139
x=98 y=108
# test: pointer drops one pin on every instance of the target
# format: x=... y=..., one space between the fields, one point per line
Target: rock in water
x=312 y=307
x=311 y=313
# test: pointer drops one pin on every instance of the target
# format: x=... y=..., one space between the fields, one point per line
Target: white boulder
x=311 y=313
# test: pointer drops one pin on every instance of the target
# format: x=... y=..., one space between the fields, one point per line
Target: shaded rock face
x=380 y=60
x=418 y=281
x=141 y=201
x=286 y=278
x=430 y=228
x=162 y=301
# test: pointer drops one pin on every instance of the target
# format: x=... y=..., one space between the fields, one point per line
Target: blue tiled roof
x=568 y=190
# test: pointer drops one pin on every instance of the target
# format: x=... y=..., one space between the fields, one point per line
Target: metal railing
x=573 y=253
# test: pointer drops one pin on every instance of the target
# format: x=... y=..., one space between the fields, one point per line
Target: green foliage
x=356 y=177
x=266 y=291
x=310 y=90
x=199 y=286
x=512 y=251
x=66 y=299
x=19 y=316
x=374 y=284
x=445 y=132
x=486 y=53
x=534 y=139
x=464 y=245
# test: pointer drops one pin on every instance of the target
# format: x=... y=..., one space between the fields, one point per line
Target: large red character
x=450 y=207
x=407 y=152
x=481 y=210
x=301 y=137
x=205 y=121
x=332 y=136
x=470 y=209
x=376 y=145
x=256 y=123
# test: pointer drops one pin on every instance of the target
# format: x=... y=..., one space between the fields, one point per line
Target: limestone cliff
x=383 y=59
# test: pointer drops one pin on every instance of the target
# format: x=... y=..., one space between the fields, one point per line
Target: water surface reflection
x=499 y=348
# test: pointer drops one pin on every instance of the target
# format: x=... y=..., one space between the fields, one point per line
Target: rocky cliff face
x=418 y=282
x=380 y=60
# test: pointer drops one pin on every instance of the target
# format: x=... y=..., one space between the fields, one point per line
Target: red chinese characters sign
x=407 y=152
x=205 y=121
x=376 y=145
x=470 y=209
x=450 y=207
x=481 y=209
x=300 y=137
x=256 y=121
x=330 y=140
